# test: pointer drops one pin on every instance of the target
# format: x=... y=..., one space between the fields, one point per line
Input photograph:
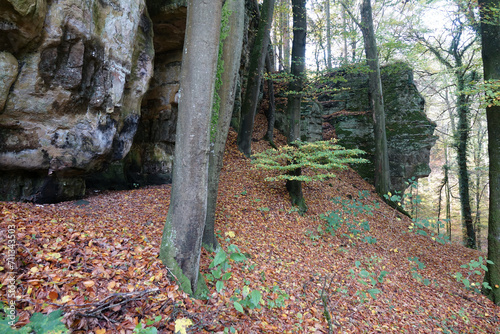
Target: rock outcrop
x=410 y=134
x=88 y=98
x=73 y=77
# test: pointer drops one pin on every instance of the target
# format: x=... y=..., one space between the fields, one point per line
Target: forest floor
x=97 y=259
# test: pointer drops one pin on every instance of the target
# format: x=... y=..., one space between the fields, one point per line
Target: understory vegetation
x=351 y=264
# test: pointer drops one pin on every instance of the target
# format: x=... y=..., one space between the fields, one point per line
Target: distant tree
x=294 y=186
x=490 y=38
x=228 y=66
x=255 y=72
x=180 y=247
x=459 y=57
x=328 y=35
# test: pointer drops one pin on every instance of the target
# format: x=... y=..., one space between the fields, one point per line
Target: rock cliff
x=73 y=77
x=410 y=134
x=88 y=98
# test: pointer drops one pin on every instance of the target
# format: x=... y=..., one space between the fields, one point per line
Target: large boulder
x=410 y=134
x=75 y=102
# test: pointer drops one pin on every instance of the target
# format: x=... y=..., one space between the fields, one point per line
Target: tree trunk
x=490 y=32
x=462 y=138
x=294 y=187
x=328 y=37
x=271 y=110
x=255 y=70
x=478 y=179
x=344 y=36
x=230 y=59
x=382 y=176
x=182 y=236
x=286 y=35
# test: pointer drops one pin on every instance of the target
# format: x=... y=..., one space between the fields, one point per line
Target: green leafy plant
x=142 y=329
x=219 y=267
x=414 y=271
x=279 y=300
x=321 y=157
x=39 y=323
x=219 y=273
x=369 y=279
x=348 y=216
x=471 y=280
x=249 y=299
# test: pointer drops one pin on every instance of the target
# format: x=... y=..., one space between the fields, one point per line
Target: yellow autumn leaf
x=181 y=325
x=66 y=299
x=100 y=331
x=230 y=234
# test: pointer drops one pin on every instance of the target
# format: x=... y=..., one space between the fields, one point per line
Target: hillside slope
x=76 y=254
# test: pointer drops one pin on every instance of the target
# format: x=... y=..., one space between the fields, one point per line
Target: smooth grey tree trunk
x=490 y=33
x=382 y=176
x=182 y=235
x=231 y=55
x=255 y=72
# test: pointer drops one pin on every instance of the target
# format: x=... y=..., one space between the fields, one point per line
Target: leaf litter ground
x=97 y=259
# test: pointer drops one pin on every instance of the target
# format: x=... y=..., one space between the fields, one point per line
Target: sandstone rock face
x=8 y=74
x=75 y=100
x=409 y=131
x=151 y=158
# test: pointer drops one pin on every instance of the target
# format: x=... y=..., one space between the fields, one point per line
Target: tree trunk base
x=297 y=198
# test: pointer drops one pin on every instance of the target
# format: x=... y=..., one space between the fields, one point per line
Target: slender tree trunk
x=230 y=59
x=462 y=139
x=490 y=32
x=344 y=37
x=328 y=36
x=256 y=68
x=271 y=110
x=286 y=36
x=447 y=190
x=294 y=187
x=382 y=176
x=181 y=242
x=478 y=179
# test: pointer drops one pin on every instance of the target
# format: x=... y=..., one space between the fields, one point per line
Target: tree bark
x=294 y=187
x=490 y=33
x=256 y=68
x=271 y=110
x=328 y=36
x=382 y=176
x=182 y=235
x=462 y=139
x=231 y=56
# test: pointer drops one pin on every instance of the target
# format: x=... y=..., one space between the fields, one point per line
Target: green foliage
x=419 y=226
x=424 y=227
x=244 y=298
x=347 y=216
x=471 y=280
x=141 y=329
x=321 y=157
x=489 y=92
x=418 y=265
x=369 y=279
x=39 y=323
x=220 y=266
